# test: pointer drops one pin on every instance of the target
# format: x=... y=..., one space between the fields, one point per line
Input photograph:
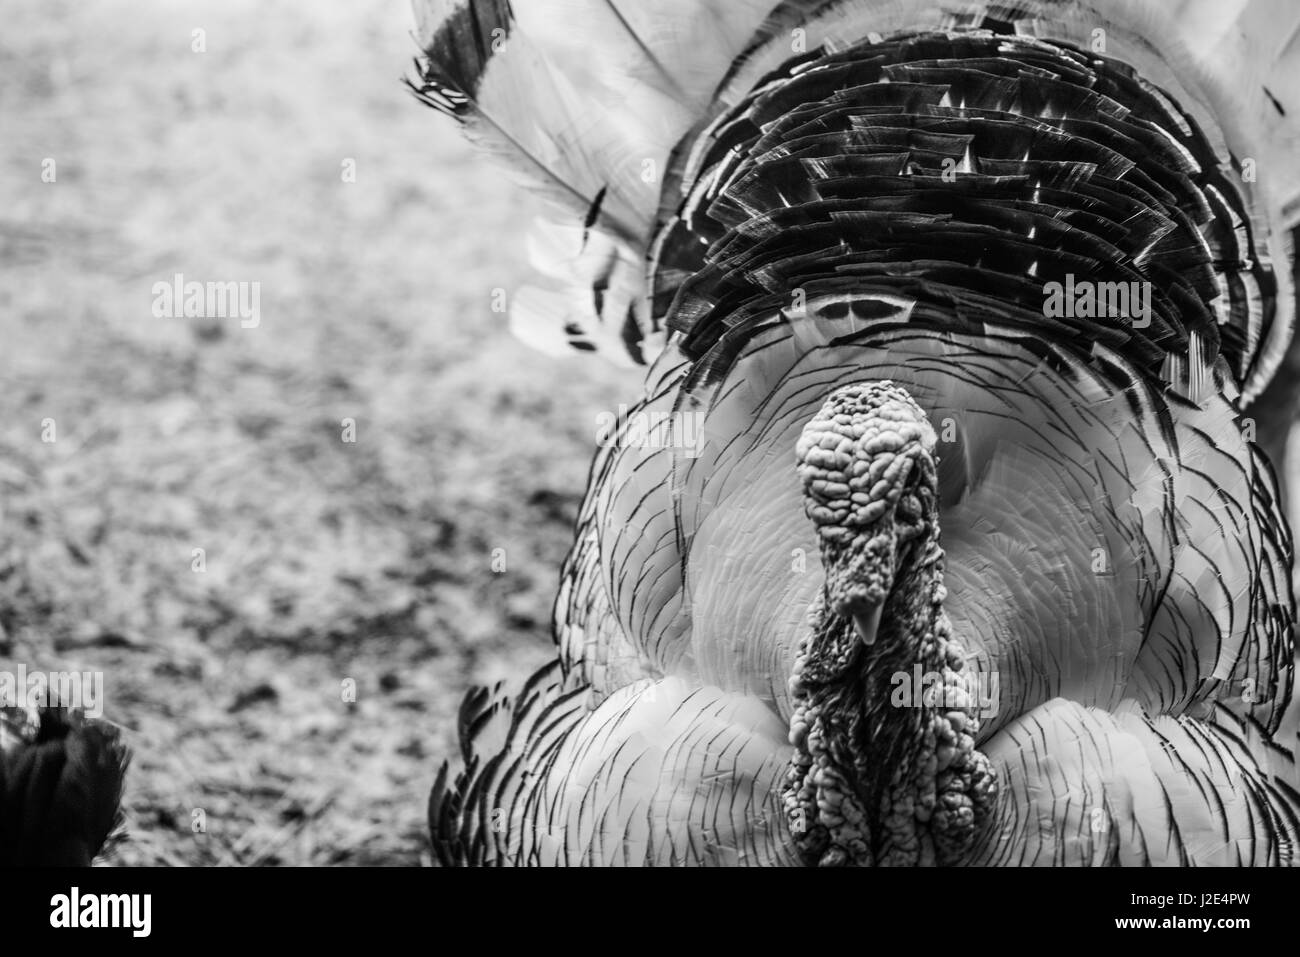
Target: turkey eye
x=909 y=507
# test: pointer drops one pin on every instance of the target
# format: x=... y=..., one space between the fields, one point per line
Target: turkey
x=61 y=783
x=940 y=533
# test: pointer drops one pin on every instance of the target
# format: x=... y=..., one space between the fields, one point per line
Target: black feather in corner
x=60 y=789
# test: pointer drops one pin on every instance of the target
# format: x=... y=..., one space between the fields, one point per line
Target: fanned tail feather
x=586 y=98
x=594 y=97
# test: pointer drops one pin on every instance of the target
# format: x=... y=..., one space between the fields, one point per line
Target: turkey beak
x=867 y=623
x=865 y=584
x=872 y=584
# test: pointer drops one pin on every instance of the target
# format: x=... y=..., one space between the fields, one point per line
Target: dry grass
x=326 y=561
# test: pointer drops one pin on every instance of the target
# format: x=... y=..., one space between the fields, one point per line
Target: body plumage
x=907 y=456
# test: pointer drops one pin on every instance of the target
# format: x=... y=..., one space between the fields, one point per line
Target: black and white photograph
x=649 y=433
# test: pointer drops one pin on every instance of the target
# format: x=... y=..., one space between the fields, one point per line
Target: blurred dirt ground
x=325 y=561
